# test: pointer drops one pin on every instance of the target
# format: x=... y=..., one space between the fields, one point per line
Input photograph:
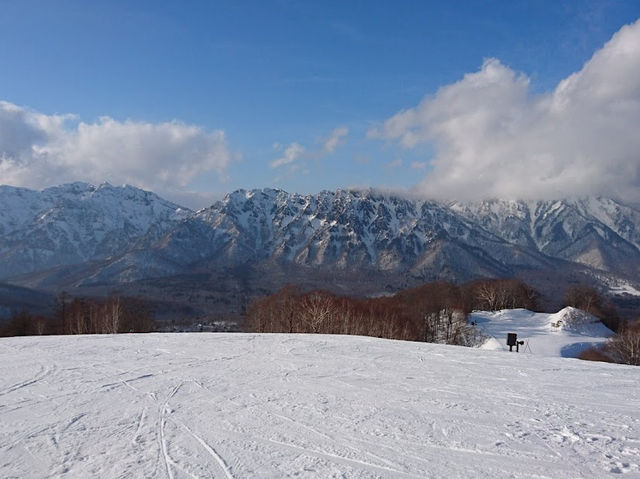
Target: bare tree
x=624 y=347
x=316 y=310
x=113 y=315
x=585 y=298
x=496 y=294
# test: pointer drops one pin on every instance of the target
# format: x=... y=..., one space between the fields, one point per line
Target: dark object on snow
x=512 y=340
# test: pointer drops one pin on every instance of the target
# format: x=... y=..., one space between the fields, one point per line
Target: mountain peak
x=139 y=235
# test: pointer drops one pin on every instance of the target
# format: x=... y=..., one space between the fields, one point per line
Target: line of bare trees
x=497 y=294
x=84 y=316
x=291 y=311
x=433 y=312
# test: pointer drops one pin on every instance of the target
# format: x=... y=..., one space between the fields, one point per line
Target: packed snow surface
x=566 y=333
x=271 y=406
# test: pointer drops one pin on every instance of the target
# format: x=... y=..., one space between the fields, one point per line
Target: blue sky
x=269 y=75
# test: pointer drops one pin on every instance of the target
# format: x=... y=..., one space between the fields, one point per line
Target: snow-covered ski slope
x=566 y=333
x=272 y=406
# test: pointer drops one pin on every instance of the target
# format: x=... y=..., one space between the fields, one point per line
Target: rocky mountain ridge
x=76 y=223
x=79 y=235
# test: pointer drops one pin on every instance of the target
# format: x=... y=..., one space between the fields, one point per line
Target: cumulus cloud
x=38 y=150
x=493 y=137
x=336 y=139
x=290 y=154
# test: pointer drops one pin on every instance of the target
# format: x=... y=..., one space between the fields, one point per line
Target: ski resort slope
x=271 y=406
x=566 y=333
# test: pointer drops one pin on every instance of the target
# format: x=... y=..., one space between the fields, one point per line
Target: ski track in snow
x=235 y=406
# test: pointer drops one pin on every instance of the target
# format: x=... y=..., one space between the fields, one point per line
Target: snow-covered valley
x=241 y=405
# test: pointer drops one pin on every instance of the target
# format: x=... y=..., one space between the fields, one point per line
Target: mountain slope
x=341 y=230
x=76 y=223
x=14 y=299
x=81 y=236
x=597 y=232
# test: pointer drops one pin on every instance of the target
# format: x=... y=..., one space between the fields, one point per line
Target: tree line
x=433 y=312
x=84 y=316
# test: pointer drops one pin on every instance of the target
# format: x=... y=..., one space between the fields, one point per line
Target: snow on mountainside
x=342 y=229
x=77 y=222
x=597 y=232
x=241 y=406
x=566 y=333
x=364 y=229
x=129 y=234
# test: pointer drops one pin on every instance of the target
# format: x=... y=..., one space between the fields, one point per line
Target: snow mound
x=269 y=406
x=566 y=333
x=491 y=344
x=573 y=319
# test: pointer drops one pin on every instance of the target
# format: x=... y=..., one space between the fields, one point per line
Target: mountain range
x=94 y=239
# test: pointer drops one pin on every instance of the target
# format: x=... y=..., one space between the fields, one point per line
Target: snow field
x=271 y=406
x=566 y=333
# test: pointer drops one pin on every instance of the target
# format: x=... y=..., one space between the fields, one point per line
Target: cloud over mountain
x=493 y=137
x=37 y=150
x=335 y=139
x=291 y=154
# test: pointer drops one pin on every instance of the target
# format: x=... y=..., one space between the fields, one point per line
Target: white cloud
x=392 y=165
x=38 y=150
x=493 y=137
x=291 y=153
x=336 y=139
x=295 y=151
x=418 y=165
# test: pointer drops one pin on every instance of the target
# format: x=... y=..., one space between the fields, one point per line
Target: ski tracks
x=44 y=371
x=168 y=461
x=214 y=454
x=162 y=421
x=141 y=420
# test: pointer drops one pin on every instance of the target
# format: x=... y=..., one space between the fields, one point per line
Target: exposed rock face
x=76 y=223
x=79 y=235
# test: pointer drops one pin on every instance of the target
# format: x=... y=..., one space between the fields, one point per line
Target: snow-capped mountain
x=76 y=223
x=597 y=232
x=121 y=234
x=343 y=230
x=347 y=229
x=356 y=229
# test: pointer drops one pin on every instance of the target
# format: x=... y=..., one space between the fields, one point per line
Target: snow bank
x=272 y=406
x=573 y=319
